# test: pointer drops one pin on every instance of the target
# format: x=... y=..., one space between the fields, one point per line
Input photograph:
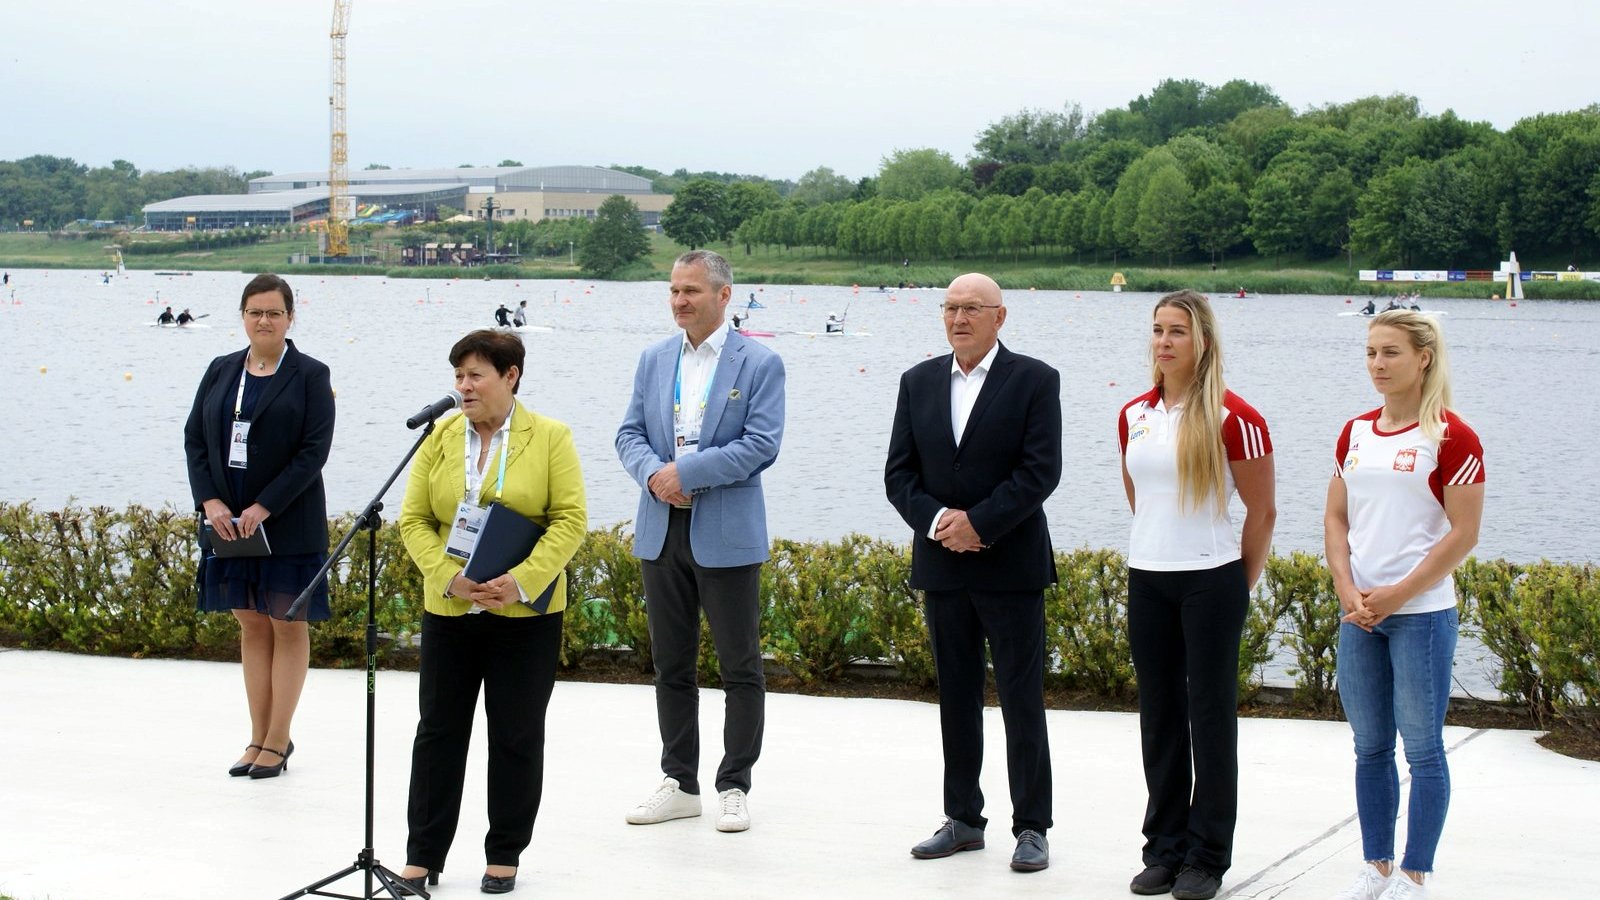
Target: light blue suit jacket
x=739 y=437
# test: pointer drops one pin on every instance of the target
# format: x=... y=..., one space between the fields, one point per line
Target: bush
x=1567 y=635
x=1303 y=586
x=122 y=582
x=1086 y=623
x=1492 y=612
x=817 y=610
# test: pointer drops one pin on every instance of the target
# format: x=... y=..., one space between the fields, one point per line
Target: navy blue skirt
x=266 y=584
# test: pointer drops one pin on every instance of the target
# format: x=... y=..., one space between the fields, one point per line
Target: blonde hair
x=1202 y=460
x=1426 y=336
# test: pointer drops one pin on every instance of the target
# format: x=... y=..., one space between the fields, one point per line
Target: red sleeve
x=1342 y=449
x=1460 y=453
x=1122 y=418
x=1244 y=431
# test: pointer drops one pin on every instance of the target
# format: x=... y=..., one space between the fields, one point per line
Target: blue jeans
x=1397 y=679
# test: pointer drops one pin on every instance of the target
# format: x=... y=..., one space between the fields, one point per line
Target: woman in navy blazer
x=256 y=440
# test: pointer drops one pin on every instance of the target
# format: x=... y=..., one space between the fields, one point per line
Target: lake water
x=102 y=423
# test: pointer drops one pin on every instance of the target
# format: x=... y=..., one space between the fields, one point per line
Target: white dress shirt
x=696 y=367
x=964 y=390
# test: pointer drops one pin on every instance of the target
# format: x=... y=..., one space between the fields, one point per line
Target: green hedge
x=121 y=582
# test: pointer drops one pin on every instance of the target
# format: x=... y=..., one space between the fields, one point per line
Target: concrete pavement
x=113 y=785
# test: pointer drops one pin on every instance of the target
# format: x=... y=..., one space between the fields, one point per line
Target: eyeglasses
x=271 y=315
x=970 y=310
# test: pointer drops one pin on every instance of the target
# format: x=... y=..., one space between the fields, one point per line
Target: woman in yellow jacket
x=504 y=633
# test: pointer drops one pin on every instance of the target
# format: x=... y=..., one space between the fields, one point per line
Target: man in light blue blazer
x=705 y=419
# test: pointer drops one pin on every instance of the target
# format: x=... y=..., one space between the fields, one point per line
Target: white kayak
x=834 y=333
x=175 y=325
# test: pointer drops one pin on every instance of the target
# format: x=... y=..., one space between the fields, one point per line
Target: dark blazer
x=290 y=436
x=1008 y=463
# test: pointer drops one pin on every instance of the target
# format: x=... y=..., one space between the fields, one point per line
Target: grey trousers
x=676 y=589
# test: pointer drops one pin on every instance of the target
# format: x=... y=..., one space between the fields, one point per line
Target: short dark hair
x=500 y=349
x=264 y=284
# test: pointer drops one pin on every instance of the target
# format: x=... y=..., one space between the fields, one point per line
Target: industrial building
x=529 y=193
x=284 y=208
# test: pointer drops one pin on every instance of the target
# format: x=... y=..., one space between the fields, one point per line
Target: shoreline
x=800 y=267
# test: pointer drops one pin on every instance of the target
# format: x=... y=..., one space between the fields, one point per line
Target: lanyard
x=505 y=451
x=238 y=399
x=677 y=387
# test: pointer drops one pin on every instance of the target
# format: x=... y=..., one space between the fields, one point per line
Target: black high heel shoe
x=257 y=771
x=415 y=884
x=238 y=769
x=498 y=884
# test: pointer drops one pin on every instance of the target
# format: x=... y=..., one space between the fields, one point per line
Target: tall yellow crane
x=338 y=146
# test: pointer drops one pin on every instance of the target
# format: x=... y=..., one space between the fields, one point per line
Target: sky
x=772 y=87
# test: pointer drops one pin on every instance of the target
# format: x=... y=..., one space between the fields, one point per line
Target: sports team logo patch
x=1405 y=461
x=1139 y=431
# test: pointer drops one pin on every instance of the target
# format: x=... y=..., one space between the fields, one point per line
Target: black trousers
x=1184 y=628
x=676 y=589
x=1013 y=623
x=515 y=661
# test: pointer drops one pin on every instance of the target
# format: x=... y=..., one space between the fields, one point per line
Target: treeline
x=1192 y=172
x=54 y=191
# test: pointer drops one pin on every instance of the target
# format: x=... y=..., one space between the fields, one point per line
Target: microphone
x=434 y=410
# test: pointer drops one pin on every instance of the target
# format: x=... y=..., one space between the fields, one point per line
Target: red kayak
x=747 y=332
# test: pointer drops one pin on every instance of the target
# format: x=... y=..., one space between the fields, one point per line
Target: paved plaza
x=113 y=785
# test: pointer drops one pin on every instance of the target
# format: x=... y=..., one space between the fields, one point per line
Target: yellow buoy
x=127 y=376
x=43 y=370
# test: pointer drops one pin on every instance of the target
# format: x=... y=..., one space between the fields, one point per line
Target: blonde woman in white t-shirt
x=1189 y=444
x=1403 y=511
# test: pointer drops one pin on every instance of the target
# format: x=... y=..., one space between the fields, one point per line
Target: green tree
x=821 y=185
x=912 y=174
x=696 y=214
x=1034 y=136
x=1219 y=216
x=615 y=238
x=743 y=201
x=1277 y=215
x=1130 y=191
x=1162 y=225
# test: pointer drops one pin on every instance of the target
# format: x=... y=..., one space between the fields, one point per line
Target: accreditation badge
x=239 y=445
x=464 y=533
x=685 y=442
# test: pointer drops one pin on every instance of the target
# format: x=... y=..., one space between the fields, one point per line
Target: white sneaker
x=735 y=811
x=1401 y=887
x=667 y=803
x=1369 y=885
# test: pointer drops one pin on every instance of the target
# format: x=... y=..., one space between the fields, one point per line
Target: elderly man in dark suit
x=974 y=453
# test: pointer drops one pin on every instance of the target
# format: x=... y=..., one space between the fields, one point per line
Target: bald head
x=973 y=314
x=981 y=286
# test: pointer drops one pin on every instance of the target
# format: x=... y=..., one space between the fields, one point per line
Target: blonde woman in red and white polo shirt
x=1403 y=511
x=1188 y=445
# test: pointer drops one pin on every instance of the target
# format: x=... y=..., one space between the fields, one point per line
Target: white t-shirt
x=1170 y=535
x=1394 y=484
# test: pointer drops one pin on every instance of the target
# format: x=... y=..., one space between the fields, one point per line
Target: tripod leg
x=317 y=887
x=391 y=883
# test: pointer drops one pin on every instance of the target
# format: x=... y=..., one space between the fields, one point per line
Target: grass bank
x=766 y=265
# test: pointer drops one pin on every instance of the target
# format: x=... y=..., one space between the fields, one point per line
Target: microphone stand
x=389 y=883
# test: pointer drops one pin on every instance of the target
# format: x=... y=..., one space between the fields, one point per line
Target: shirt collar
x=715 y=341
x=984 y=365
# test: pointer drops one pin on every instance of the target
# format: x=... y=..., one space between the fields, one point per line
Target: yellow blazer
x=543 y=482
